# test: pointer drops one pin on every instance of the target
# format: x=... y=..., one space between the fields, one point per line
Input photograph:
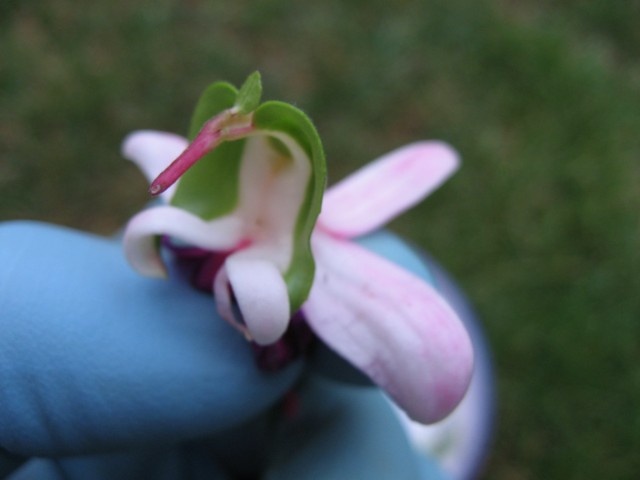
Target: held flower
x=257 y=219
x=254 y=194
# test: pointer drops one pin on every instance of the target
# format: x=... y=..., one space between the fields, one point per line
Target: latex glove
x=340 y=432
x=95 y=358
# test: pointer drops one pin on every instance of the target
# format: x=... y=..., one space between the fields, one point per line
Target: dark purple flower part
x=297 y=341
x=201 y=265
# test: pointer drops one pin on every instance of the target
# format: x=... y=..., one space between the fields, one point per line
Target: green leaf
x=282 y=117
x=249 y=95
x=209 y=189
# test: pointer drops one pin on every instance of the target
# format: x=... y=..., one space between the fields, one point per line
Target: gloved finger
x=344 y=431
x=9 y=462
x=95 y=357
x=178 y=463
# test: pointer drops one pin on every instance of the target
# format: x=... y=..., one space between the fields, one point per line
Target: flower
x=384 y=320
x=255 y=197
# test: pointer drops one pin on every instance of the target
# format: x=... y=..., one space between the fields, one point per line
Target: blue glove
x=95 y=359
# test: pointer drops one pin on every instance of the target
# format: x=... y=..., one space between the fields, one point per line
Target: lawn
x=540 y=226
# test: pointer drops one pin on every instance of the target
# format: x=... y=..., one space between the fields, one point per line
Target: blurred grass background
x=540 y=226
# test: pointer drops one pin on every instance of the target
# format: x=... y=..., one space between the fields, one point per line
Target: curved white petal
x=152 y=151
x=262 y=297
x=382 y=189
x=224 y=304
x=273 y=187
x=140 y=235
x=391 y=325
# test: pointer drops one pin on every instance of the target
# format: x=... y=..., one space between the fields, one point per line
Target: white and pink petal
x=273 y=184
x=375 y=194
x=262 y=296
x=140 y=237
x=392 y=325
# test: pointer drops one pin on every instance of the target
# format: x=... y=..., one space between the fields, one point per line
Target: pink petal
x=261 y=294
x=140 y=235
x=153 y=151
x=391 y=325
x=381 y=190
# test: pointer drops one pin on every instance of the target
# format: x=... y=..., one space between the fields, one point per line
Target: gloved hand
x=106 y=374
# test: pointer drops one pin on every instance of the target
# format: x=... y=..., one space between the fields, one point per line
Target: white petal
x=222 y=293
x=140 y=235
x=262 y=297
x=386 y=187
x=273 y=188
x=152 y=152
x=392 y=325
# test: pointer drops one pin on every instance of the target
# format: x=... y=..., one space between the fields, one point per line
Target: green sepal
x=209 y=189
x=285 y=118
x=249 y=94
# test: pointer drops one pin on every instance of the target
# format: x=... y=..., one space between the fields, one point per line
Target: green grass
x=540 y=226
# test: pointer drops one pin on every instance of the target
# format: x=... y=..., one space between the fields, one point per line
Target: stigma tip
x=155 y=189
